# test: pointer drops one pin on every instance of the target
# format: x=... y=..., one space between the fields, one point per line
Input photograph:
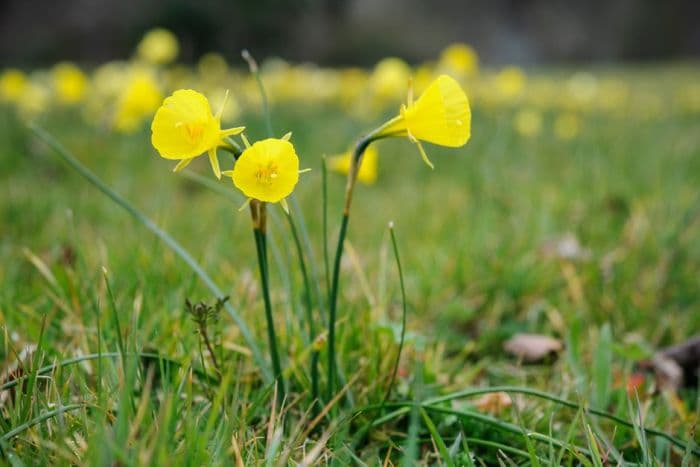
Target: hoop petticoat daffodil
x=267 y=171
x=441 y=116
x=184 y=128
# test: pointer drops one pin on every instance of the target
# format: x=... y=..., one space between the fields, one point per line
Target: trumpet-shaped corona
x=267 y=171
x=441 y=116
x=184 y=128
x=368 y=169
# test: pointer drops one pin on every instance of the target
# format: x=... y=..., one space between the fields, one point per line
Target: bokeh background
x=354 y=32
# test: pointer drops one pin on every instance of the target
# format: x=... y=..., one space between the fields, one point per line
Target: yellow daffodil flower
x=267 y=171
x=510 y=82
x=441 y=116
x=459 y=58
x=70 y=83
x=388 y=76
x=159 y=46
x=137 y=100
x=368 y=169
x=13 y=83
x=184 y=128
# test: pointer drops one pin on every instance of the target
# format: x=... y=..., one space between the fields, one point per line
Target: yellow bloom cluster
x=125 y=95
x=184 y=128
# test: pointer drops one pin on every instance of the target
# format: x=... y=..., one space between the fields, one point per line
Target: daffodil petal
x=245 y=204
x=232 y=131
x=214 y=161
x=285 y=206
x=423 y=155
x=182 y=164
x=223 y=104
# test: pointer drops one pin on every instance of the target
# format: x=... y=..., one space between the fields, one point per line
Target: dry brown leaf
x=493 y=403
x=675 y=367
x=532 y=348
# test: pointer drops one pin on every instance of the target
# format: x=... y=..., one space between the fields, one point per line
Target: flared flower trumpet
x=441 y=116
x=267 y=171
x=184 y=128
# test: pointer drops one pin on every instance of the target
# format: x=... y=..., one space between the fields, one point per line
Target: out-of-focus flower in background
x=528 y=122
x=159 y=46
x=368 y=169
x=69 y=82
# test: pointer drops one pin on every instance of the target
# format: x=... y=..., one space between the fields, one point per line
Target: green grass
x=470 y=236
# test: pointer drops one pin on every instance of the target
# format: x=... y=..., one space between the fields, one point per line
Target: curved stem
x=355 y=162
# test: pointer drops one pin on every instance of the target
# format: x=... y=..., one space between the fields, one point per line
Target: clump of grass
x=82 y=397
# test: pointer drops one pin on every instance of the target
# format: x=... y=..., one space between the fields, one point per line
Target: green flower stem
x=386 y=130
x=332 y=306
x=257 y=210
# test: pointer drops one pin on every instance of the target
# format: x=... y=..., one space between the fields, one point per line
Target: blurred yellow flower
x=34 y=100
x=368 y=168
x=388 y=77
x=13 y=83
x=69 y=82
x=567 y=126
x=184 y=128
x=441 y=116
x=159 y=46
x=510 y=82
x=267 y=171
x=136 y=101
x=528 y=122
x=460 y=59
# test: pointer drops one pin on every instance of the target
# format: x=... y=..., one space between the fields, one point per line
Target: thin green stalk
x=255 y=71
x=99 y=349
x=306 y=242
x=355 y=162
x=403 y=313
x=309 y=312
x=435 y=434
x=260 y=246
x=332 y=306
x=324 y=178
x=178 y=249
x=41 y=418
x=115 y=318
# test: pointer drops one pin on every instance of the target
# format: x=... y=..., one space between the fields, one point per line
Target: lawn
x=588 y=236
